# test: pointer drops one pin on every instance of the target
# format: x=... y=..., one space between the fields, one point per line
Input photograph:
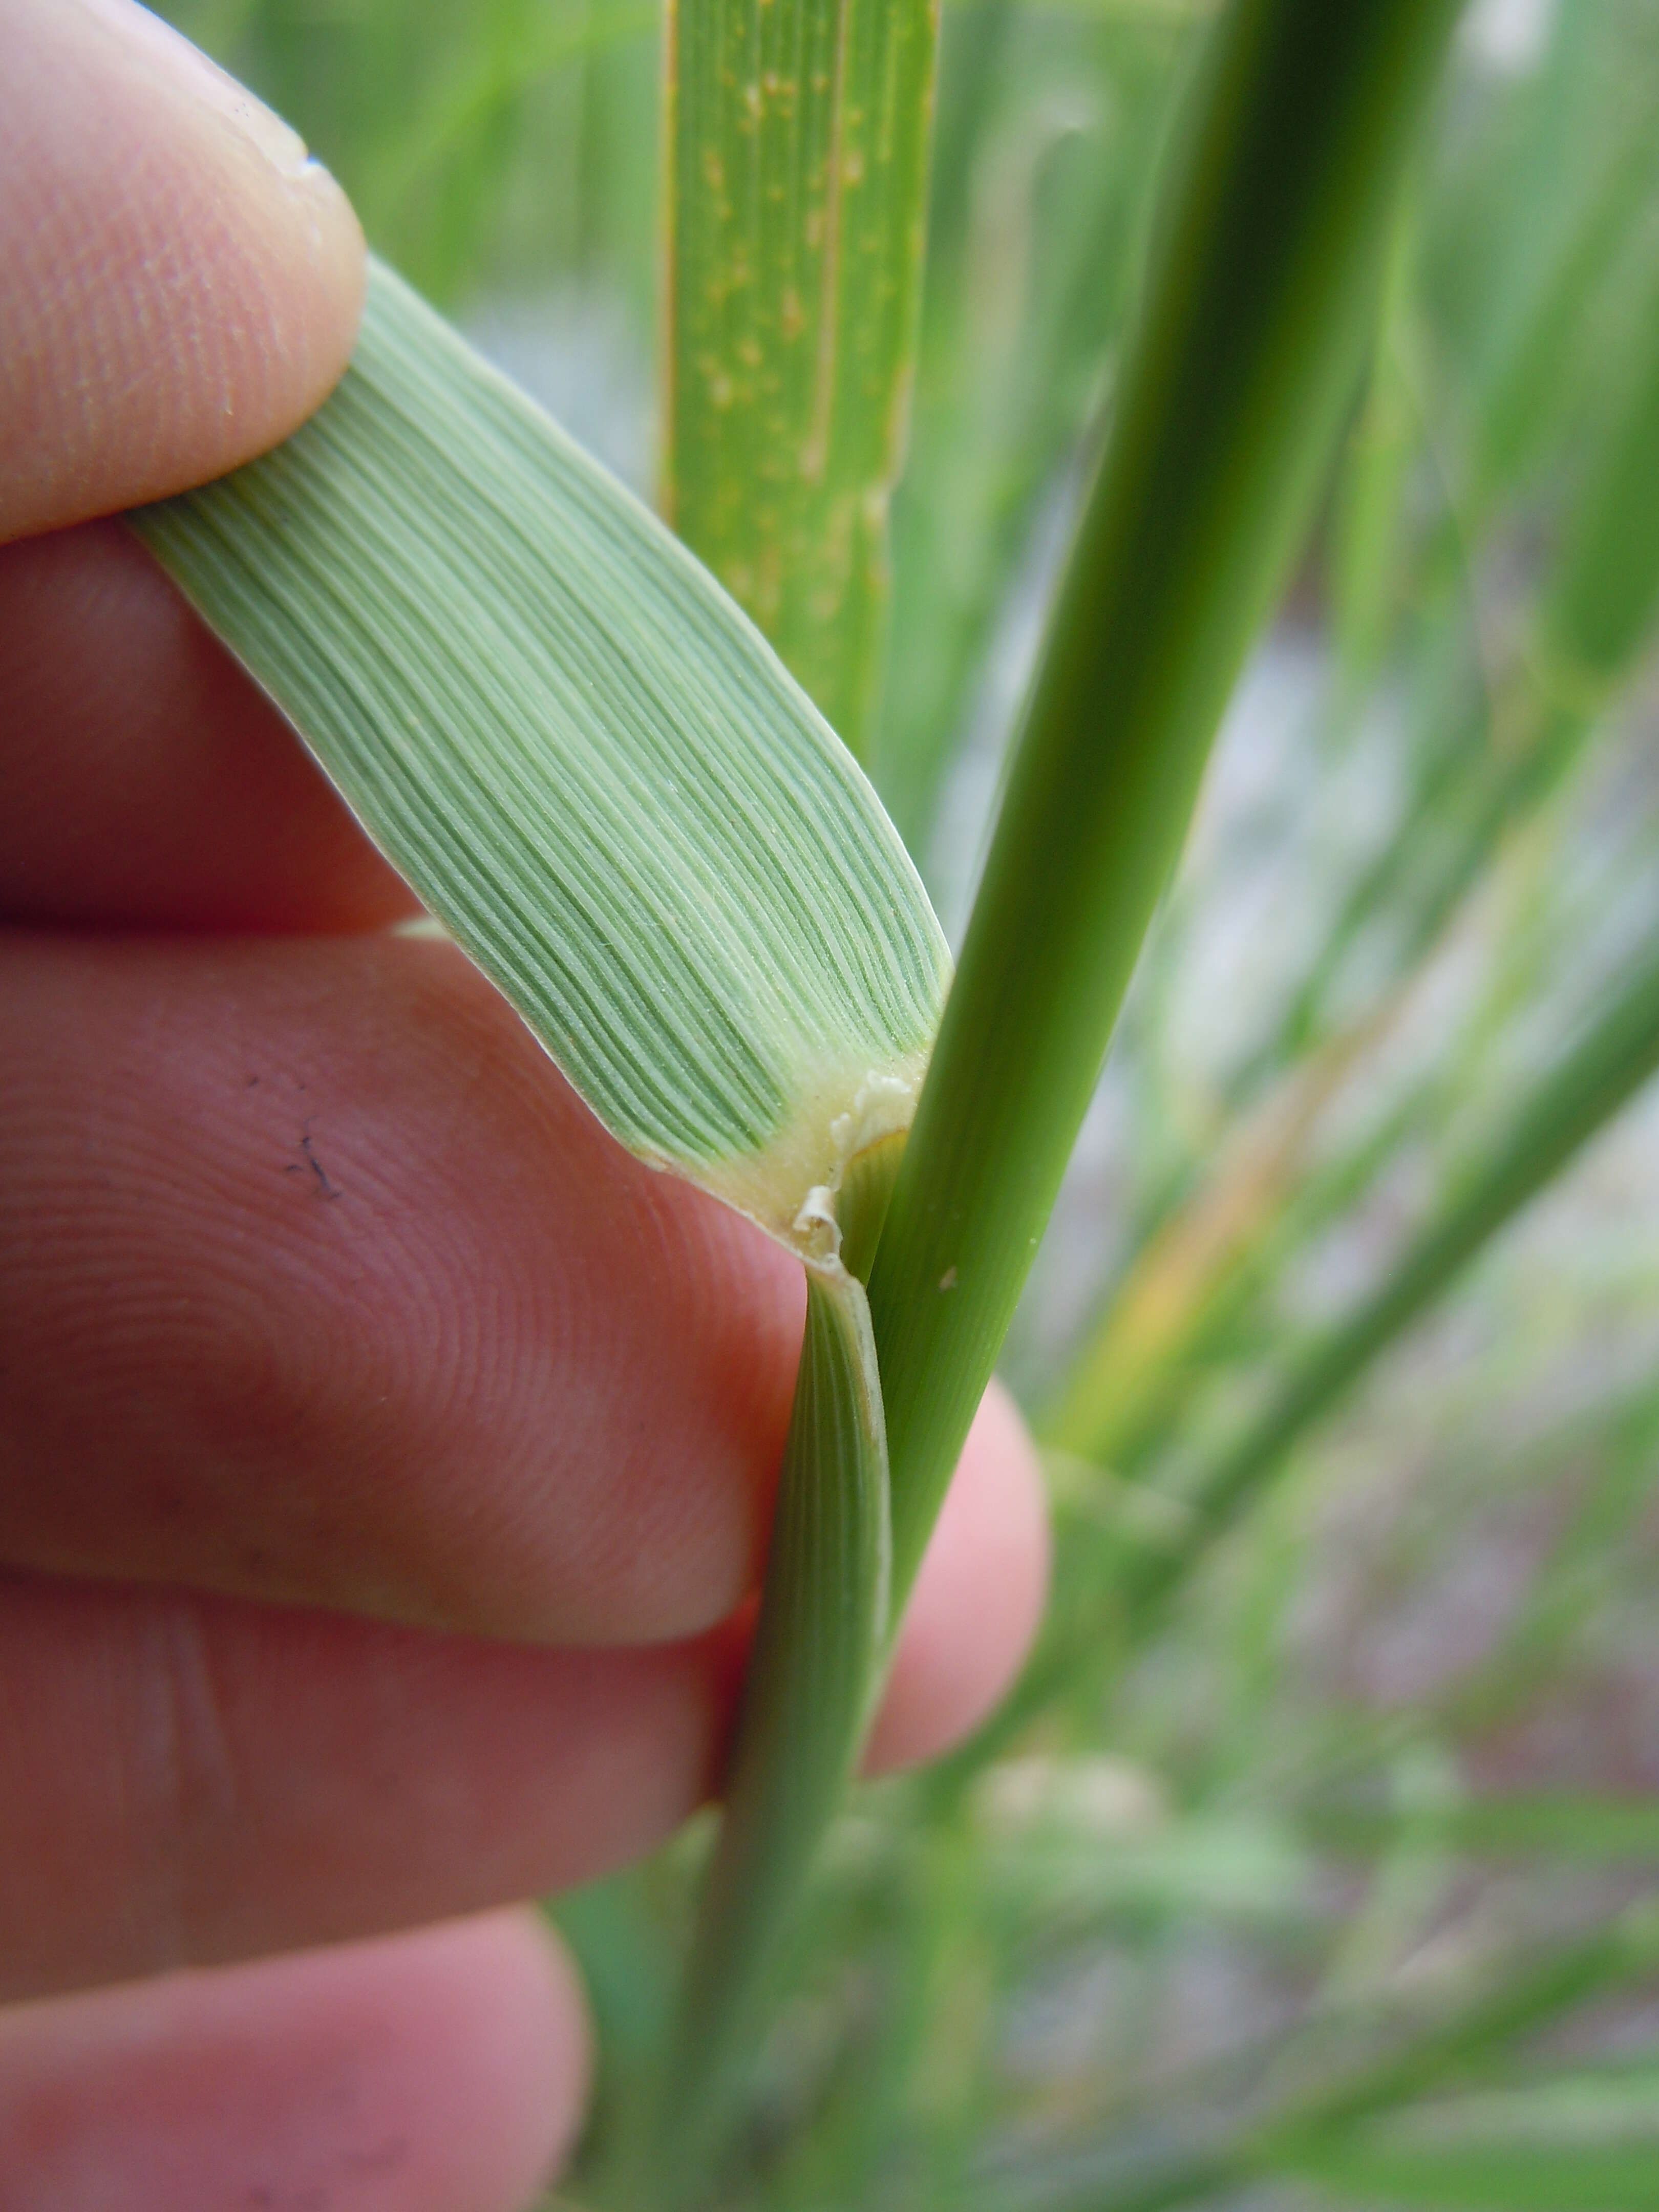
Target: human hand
x=384 y=1456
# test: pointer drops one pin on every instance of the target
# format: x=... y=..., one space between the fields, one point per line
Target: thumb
x=180 y=286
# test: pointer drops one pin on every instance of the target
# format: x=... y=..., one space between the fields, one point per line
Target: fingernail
x=167 y=56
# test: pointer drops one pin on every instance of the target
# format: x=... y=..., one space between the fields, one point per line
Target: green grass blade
x=1402 y=2171
x=822 y=1624
x=1128 y=1380
x=1517 y=2004
x=1568 y=1105
x=1576 y=203
x=1597 y=615
x=1373 y=488
x=472 y=106
x=585 y=760
x=1588 y=2145
x=1050 y=134
x=1490 y=766
x=470 y=139
x=1565 y=1825
x=797 y=167
x=1303 y=2137
x=1606 y=596
x=1261 y=291
x=1153 y=11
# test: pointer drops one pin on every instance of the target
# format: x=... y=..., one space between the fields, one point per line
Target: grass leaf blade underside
x=585 y=760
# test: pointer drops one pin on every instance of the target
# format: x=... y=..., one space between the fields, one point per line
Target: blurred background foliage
x=1327 y=1877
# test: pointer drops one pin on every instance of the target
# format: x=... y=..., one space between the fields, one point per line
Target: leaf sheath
x=811 y=1676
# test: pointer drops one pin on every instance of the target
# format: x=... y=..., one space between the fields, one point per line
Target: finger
x=194 y=1779
x=440 y=2072
x=978 y=1597
x=143 y=780
x=179 y=287
x=319 y=1284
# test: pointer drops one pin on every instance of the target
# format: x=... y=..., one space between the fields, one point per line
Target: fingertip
x=445 y=2070
x=978 y=1597
x=180 y=286
x=495 y=2063
x=521 y=1976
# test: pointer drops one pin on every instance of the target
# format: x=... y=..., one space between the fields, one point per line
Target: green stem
x=1262 y=287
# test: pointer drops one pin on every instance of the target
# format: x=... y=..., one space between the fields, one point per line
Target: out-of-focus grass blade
x=1136 y=10
x=1588 y=639
x=1260 y=298
x=797 y=168
x=1566 y=1826
x=1497 y=741
x=1606 y=594
x=585 y=760
x=1300 y=2137
x=1049 y=134
x=1569 y=1104
x=1125 y=1379
x=471 y=139
x=1584 y=2145
x=471 y=106
x=1580 y=196
x=1371 y=493
x=1512 y=2006
x=1116 y=1599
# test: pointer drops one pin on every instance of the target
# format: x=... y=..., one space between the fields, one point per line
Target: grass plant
x=1275 y=1881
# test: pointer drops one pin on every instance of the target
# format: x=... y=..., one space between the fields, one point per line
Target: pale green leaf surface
x=586 y=761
